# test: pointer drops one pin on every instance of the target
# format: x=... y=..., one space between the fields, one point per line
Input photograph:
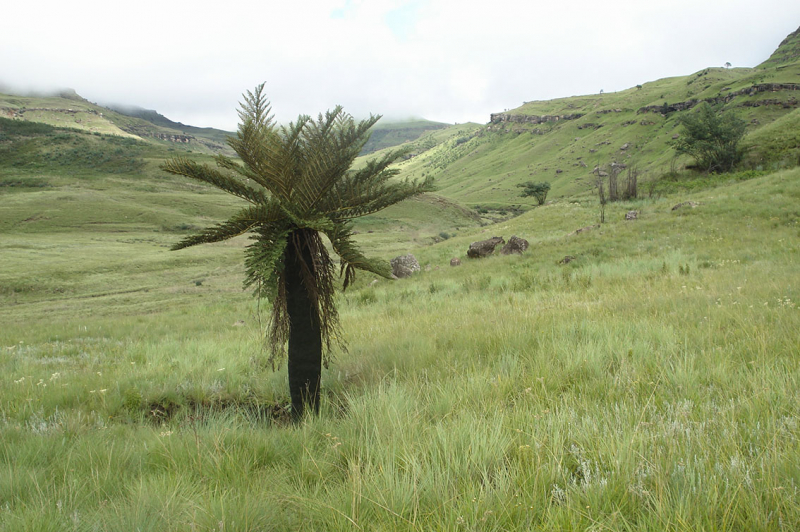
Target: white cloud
x=442 y=59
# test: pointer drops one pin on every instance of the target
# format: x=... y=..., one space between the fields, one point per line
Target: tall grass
x=650 y=384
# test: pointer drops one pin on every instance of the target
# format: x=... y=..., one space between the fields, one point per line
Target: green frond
x=256 y=108
x=360 y=199
x=245 y=220
x=259 y=145
x=332 y=142
x=352 y=257
x=264 y=260
x=202 y=172
x=244 y=171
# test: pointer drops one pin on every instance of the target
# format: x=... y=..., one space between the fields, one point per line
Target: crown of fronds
x=298 y=177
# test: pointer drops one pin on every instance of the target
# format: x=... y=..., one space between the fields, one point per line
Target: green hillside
x=563 y=140
x=153 y=117
x=386 y=134
x=68 y=110
x=635 y=375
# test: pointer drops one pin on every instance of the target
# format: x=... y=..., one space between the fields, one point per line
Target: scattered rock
x=567 y=259
x=404 y=266
x=675 y=136
x=584 y=229
x=625 y=146
x=632 y=215
x=455 y=261
x=239 y=323
x=482 y=248
x=691 y=204
x=559 y=171
x=515 y=245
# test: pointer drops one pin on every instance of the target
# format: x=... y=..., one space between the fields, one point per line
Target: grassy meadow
x=652 y=383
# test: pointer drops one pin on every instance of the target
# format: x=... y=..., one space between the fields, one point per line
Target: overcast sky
x=446 y=60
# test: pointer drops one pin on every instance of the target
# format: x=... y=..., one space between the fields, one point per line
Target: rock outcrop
x=404 y=266
x=498 y=118
x=483 y=248
x=691 y=204
x=515 y=245
x=748 y=91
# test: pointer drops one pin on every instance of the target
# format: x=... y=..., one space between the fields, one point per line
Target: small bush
x=711 y=138
x=536 y=190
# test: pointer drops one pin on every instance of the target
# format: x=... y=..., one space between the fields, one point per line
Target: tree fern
x=300 y=185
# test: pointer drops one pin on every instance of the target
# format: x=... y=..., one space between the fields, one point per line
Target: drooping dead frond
x=318 y=279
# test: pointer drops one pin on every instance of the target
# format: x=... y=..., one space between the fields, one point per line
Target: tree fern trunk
x=305 y=340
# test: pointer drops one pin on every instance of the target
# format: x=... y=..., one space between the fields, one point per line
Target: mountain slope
x=561 y=141
x=386 y=134
x=67 y=109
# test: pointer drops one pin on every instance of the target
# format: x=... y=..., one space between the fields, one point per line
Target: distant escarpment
x=748 y=91
x=665 y=108
x=170 y=137
x=498 y=118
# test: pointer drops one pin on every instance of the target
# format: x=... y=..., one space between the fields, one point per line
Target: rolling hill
x=67 y=109
x=640 y=375
x=563 y=140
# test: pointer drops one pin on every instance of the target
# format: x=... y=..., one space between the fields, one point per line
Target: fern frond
x=256 y=107
x=264 y=260
x=202 y=172
x=352 y=257
x=356 y=200
x=333 y=143
x=244 y=221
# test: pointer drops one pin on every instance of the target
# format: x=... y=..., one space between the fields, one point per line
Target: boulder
x=455 y=261
x=584 y=229
x=632 y=215
x=691 y=204
x=482 y=248
x=404 y=266
x=515 y=245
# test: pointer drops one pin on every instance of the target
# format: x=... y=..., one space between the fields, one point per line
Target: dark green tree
x=712 y=138
x=300 y=186
x=537 y=190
